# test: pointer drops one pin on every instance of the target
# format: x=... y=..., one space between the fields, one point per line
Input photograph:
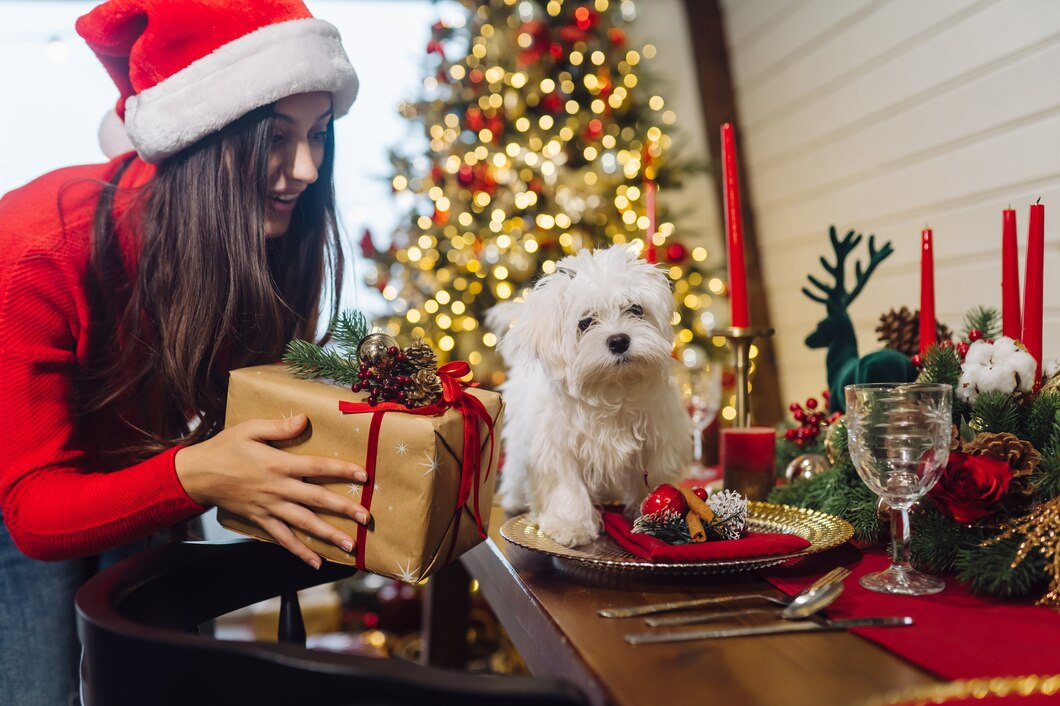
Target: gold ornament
x=805 y=467
x=835 y=440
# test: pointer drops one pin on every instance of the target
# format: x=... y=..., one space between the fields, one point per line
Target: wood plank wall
x=884 y=116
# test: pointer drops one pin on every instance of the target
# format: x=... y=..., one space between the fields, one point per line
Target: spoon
x=802 y=606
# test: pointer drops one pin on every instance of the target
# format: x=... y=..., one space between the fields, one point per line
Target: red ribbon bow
x=470 y=408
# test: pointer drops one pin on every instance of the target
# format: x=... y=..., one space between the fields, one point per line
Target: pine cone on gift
x=425 y=388
x=900 y=330
x=421 y=356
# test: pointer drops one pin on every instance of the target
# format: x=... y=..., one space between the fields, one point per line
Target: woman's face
x=295 y=155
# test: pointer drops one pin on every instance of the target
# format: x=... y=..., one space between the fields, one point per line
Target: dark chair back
x=138 y=622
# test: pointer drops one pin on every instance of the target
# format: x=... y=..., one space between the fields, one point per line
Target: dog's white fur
x=585 y=420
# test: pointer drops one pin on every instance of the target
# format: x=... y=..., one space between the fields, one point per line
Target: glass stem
x=900 y=538
x=697 y=441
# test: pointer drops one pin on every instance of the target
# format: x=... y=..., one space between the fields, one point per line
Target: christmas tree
x=544 y=138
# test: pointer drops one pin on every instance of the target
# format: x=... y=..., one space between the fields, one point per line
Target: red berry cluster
x=387 y=380
x=810 y=421
x=961 y=346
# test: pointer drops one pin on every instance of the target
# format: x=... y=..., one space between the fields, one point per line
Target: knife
x=672 y=605
x=809 y=626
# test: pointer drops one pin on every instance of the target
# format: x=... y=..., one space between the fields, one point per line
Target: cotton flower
x=1002 y=366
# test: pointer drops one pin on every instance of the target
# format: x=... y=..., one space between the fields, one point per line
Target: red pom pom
x=664 y=497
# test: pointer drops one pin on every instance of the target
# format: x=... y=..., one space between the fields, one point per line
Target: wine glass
x=899 y=440
x=699 y=379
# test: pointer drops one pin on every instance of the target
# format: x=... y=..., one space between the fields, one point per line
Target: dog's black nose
x=619 y=343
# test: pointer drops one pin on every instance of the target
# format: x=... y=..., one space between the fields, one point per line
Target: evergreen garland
x=941 y=364
x=1039 y=419
x=995 y=412
x=984 y=319
x=1046 y=479
x=937 y=540
x=987 y=568
x=349 y=329
x=310 y=361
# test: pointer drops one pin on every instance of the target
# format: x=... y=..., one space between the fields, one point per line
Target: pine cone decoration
x=900 y=330
x=955 y=438
x=424 y=389
x=1020 y=455
x=421 y=356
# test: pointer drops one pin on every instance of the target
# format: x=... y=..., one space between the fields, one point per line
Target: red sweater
x=58 y=500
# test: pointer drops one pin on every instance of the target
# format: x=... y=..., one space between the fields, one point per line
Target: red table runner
x=955 y=634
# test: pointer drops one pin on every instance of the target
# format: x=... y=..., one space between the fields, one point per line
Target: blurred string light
x=542 y=136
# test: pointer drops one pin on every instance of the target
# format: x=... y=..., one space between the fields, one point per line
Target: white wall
x=886 y=115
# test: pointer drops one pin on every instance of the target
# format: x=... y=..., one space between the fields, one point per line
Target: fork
x=836 y=575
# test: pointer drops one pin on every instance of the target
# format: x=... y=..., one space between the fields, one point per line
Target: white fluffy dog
x=593 y=413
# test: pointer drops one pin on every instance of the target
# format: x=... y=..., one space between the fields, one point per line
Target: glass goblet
x=899 y=441
x=699 y=380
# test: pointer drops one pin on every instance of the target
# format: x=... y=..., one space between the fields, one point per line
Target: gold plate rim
x=822 y=530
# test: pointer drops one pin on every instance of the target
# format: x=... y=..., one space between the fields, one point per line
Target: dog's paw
x=569 y=534
x=514 y=503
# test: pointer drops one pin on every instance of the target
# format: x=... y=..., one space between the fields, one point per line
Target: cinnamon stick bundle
x=695 y=527
x=696 y=505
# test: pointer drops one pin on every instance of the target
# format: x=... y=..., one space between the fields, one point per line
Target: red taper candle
x=734 y=229
x=1033 y=293
x=1010 y=276
x=928 y=334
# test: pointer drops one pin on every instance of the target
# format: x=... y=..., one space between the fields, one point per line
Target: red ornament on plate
x=664 y=497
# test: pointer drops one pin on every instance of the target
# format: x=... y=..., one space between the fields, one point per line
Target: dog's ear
x=537 y=334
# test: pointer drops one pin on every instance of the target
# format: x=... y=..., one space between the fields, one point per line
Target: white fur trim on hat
x=113 y=139
x=271 y=63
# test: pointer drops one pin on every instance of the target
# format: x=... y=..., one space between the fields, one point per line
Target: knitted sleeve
x=54 y=506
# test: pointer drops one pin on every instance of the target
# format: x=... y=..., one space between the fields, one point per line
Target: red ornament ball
x=676 y=253
x=962 y=349
x=811 y=403
x=917 y=360
x=974 y=335
x=701 y=493
x=664 y=497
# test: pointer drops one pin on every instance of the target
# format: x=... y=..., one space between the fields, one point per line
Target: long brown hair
x=210 y=293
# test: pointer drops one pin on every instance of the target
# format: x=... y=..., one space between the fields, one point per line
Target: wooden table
x=550 y=613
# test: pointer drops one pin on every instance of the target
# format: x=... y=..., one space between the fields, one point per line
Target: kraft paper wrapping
x=417 y=478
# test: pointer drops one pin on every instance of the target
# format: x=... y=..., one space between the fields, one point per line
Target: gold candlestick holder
x=740 y=340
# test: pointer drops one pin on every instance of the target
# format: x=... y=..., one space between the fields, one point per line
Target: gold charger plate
x=821 y=530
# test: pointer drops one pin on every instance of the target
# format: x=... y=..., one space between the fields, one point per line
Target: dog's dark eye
x=585 y=323
x=636 y=310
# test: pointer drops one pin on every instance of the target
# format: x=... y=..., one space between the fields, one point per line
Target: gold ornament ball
x=834 y=438
x=805 y=467
x=373 y=347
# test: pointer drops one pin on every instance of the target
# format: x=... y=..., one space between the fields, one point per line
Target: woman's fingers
x=286 y=539
x=298 y=516
x=273 y=429
x=321 y=467
x=317 y=496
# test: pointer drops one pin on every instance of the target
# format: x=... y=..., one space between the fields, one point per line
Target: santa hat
x=187 y=68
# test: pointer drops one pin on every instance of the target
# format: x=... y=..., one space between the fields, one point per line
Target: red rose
x=971 y=486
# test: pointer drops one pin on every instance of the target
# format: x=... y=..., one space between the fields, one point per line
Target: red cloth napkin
x=752 y=545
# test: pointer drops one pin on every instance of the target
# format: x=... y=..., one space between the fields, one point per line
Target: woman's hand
x=238 y=471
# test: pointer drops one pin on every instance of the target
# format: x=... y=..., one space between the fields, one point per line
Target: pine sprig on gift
x=984 y=319
x=988 y=568
x=309 y=361
x=349 y=329
x=995 y=412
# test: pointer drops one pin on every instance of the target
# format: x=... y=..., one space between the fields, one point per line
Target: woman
x=128 y=290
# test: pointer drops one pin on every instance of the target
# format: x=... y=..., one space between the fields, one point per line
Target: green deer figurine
x=836 y=332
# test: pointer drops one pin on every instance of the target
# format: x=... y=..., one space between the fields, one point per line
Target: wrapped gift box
x=415 y=479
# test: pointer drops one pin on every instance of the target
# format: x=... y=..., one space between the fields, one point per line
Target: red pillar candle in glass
x=1033 y=293
x=734 y=229
x=1010 y=276
x=928 y=334
x=748 y=463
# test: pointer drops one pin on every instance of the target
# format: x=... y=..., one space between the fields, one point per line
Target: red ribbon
x=470 y=408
